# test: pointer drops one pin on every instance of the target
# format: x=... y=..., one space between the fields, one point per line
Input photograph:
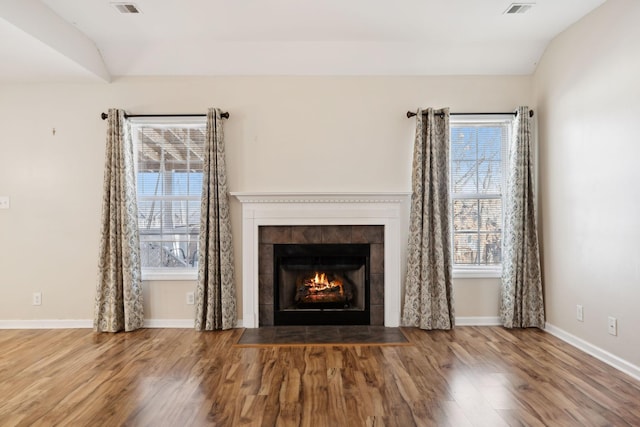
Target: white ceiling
x=88 y=40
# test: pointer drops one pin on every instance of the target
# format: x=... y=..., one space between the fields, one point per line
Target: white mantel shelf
x=389 y=209
x=245 y=197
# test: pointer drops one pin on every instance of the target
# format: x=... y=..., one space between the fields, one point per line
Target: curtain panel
x=118 y=303
x=522 y=302
x=428 y=300
x=215 y=292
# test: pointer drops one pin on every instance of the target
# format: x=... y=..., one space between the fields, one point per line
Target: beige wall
x=588 y=97
x=351 y=131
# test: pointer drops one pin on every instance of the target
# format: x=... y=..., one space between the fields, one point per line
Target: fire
x=320 y=283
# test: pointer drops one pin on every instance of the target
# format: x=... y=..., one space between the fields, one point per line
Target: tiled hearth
x=303 y=216
x=302 y=234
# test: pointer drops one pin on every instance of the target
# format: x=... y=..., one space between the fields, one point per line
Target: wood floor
x=473 y=376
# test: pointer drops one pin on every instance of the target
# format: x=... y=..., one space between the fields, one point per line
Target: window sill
x=477 y=273
x=167 y=274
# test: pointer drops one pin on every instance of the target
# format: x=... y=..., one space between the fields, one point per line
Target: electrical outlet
x=37 y=298
x=613 y=326
x=5 y=202
x=191 y=299
x=579 y=313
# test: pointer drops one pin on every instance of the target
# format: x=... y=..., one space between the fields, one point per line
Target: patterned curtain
x=118 y=302
x=522 y=303
x=216 y=292
x=428 y=302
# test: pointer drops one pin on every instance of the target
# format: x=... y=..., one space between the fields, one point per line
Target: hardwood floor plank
x=471 y=376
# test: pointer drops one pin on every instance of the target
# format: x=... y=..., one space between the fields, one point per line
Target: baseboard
x=88 y=323
x=478 y=321
x=169 y=323
x=47 y=324
x=600 y=354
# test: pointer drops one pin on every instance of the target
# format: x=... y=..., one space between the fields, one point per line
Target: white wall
x=588 y=98
x=351 y=131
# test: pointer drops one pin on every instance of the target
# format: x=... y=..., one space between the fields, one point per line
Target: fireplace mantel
x=262 y=209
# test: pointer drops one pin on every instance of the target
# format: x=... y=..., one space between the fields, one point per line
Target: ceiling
x=89 y=40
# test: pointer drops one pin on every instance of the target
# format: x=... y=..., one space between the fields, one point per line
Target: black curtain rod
x=224 y=115
x=513 y=113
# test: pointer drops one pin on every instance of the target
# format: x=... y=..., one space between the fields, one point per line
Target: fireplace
x=274 y=218
x=290 y=255
x=321 y=284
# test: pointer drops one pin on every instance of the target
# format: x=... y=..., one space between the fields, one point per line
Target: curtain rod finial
x=104 y=116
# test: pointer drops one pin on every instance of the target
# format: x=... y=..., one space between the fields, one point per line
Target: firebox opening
x=321 y=284
x=328 y=290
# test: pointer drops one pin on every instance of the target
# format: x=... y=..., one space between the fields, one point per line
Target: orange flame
x=321 y=283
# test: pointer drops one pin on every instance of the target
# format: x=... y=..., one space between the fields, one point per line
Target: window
x=478 y=171
x=169 y=159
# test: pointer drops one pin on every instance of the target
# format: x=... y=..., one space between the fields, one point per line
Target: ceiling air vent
x=518 y=8
x=126 y=7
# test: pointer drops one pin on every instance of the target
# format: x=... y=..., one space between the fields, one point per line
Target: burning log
x=320 y=290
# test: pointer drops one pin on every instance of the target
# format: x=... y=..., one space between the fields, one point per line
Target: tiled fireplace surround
x=269 y=218
x=305 y=234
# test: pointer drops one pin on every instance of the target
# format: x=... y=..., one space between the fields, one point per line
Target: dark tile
x=265 y=335
x=351 y=330
x=377 y=315
x=306 y=234
x=376 y=289
x=377 y=258
x=336 y=234
x=356 y=334
x=275 y=234
x=387 y=335
x=371 y=335
x=265 y=259
x=292 y=329
x=323 y=334
x=367 y=234
x=265 y=311
x=265 y=288
x=291 y=335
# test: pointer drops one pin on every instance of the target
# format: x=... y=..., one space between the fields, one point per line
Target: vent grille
x=518 y=8
x=126 y=7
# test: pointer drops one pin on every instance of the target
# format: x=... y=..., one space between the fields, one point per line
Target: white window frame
x=166 y=273
x=480 y=271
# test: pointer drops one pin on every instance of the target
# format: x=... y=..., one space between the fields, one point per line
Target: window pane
x=464 y=175
x=149 y=184
x=179 y=214
x=490 y=143
x=150 y=254
x=181 y=252
x=465 y=215
x=490 y=215
x=195 y=181
x=192 y=252
x=489 y=177
x=194 y=217
x=168 y=217
x=490 y=248
x=149 y=221
x=174 y=254
x=167 y=253
x=465 y=248
x=463 y=143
